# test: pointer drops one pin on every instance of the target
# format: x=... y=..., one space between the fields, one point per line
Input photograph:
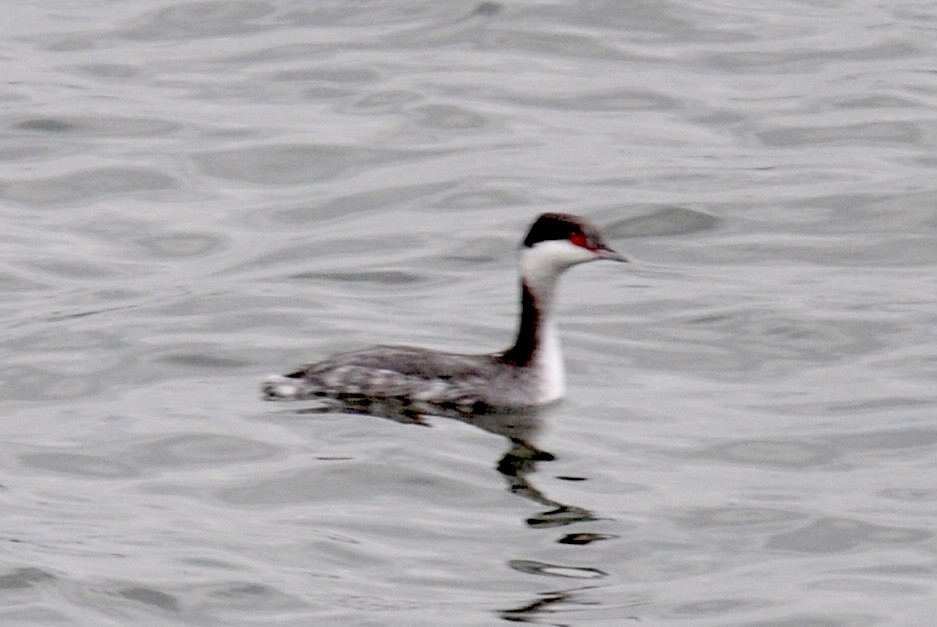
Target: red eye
x=579 y=240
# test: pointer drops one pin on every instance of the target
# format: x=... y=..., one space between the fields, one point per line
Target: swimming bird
x=527 y=374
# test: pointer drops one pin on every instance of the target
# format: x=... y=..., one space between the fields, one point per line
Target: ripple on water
x=54 y=340
x=92 y=126
x=764 y=338
x=662 y=222
x=151 y=596
x=201 y=360
x=895 y=132
x=78 y=465
x=331 y=81
x=378 y=277
x=114 y=71
x=200 y=20
x=32 y=384
x=341 y=75
x=193 y=449
x=386 y=100
x=68 y=266
x=25 y=577
x=910 y=495
x=732 y=518
x=887 y=439
x=716 y=607
x=482 y=196
x=605 y=100
x=86 y=186
x=773 y=453
x=450 y=117
x=13 y=281
x=339 y=481
x=254 y=597
x=27 y=149
x=285 y=164
x=837 y=535
x=343 y=206
x=181 y=244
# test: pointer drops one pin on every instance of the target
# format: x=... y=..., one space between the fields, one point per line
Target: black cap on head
x=553 y=226
x=562 y=226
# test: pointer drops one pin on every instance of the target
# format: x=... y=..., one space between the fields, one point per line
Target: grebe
x=529 y=373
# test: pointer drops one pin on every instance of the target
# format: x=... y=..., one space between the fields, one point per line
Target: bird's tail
x=280 y=388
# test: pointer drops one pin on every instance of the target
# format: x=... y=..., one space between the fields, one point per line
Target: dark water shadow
x=520 y=427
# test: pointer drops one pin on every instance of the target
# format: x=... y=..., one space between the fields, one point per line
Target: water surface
x=196 y=194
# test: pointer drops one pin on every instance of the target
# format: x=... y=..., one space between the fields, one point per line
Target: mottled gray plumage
x=413 y=375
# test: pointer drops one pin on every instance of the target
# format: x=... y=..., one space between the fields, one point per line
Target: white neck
x=538 y=342
x=549 y=363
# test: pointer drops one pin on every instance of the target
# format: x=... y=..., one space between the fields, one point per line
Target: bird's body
x=528 y=373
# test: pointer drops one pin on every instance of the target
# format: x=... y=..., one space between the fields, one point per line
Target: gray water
x=194 y=195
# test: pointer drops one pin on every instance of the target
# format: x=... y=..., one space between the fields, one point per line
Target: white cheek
x=546 y=260
x=554 y=254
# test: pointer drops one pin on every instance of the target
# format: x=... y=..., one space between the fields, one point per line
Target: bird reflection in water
x=519 y=426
